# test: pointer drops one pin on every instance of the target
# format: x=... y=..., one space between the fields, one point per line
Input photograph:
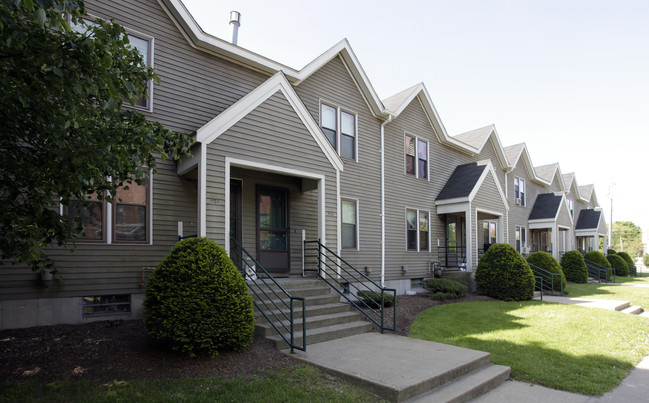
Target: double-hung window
x=127 y=218
x=340 y=128
x=489 y=229
x=521 y=239
x=417 y=230
x=349 y=224
x=519 y=191
x=571 y=207
x=144 y=45
x=416 y=157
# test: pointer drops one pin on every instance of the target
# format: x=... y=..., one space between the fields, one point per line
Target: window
x=340 y=129
x=349 y=226
x=416 y=157
x=417 y=230
x=128 y=216
x=488 y=234
x=571 y=206
x=519 y=191
x=144 y=46
x=106 y=305
x=521 y=239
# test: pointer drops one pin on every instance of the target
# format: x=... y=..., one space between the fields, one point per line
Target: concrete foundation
x=17 y=314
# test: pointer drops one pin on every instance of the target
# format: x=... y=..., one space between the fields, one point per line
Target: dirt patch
x=111 y=350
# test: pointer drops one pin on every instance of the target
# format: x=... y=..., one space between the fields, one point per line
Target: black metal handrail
x=599 y=272
x=272 y=300
x=350 y=283
x=548 y=278
x=452 y=256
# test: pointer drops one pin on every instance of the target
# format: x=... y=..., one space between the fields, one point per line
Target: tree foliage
x=627 y=237
x=64 y=132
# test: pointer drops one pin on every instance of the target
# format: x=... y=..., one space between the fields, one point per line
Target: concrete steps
x=401 y=369
x=633 y=310
x=470 y=386
x=326 y=317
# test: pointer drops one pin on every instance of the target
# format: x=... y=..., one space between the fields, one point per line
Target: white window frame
x=418 y=231
x=517 y=194
x=405 y=160
x=109 y=224
x=522 y=242
x=339 y=134
x=149 y=60
x=356 y=203
x=571 y=207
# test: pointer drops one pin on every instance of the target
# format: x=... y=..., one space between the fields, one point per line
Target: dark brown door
x=272 y=229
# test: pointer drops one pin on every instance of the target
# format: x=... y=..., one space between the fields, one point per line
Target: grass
x=635 y=295
x=299 y=383
x=572 y=348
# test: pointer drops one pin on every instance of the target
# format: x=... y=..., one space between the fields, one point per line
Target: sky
x=570 y=78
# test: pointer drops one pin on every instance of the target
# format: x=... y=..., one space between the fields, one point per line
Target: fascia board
x=476 y=188
x=538 y=224
x=586 y=232
x=226 y=119
x=186 y=165
x=354 y=67
x=500 y=151
x=459 y=207
x=201 y=40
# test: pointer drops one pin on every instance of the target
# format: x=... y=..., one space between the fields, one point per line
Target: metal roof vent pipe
x=235 y=23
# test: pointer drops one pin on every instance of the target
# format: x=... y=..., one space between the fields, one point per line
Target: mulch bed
x=111 y=350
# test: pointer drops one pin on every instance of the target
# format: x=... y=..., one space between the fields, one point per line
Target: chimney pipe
x=235 y=23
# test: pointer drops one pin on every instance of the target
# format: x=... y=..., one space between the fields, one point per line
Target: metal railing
x=452 y=256
x=597 y=272
x=357 y=288
x=271 y=299
x=552 y=282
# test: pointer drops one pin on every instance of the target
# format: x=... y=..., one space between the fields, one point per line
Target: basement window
x=417 y=283
x=106 y=305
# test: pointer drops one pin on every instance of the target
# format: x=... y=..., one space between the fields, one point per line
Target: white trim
x=460 y=207
x=150 y=216
x=338 y=224
x=149 y=61
x=339 y=127
x=226 y=119
x=202 y=191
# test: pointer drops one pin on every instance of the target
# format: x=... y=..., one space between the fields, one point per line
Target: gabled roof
x=546 y=206
x=515 y=153
x=211 y=44
x=586 y=191
x=570 y=182
x=588 y=219
x=462 y=181
x=549 y=172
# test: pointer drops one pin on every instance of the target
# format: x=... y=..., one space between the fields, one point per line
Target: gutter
x=383 y=199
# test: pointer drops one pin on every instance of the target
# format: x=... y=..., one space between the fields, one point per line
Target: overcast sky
x=568 y=78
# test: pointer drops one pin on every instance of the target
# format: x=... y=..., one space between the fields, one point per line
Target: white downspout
x=383 y=199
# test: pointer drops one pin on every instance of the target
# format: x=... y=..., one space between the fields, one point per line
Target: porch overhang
x=450 y=206
x=541 y=224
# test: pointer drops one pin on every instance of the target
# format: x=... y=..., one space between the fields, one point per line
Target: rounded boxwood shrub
x=503 y=273
x=598 y=258
x=620 y=266
x=372 y=299
x=443 y=288
x=547 y=262
x=611 y=252
x=574 y=267
x=197 y=301
x=627 y=258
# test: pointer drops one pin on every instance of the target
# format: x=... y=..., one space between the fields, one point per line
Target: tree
x=627 y=237
x=63 y=131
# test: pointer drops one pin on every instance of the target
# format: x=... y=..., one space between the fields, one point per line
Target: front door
x=272 y=229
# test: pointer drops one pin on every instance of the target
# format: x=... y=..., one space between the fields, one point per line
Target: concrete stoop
x=326 y=317
x=400 y=369
x=610 y=305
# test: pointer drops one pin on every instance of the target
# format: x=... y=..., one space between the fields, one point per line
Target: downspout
x=383 y=199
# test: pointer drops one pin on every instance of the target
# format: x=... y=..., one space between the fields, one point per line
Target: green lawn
x=577 y=349
x=300 y=383
x=635 y=295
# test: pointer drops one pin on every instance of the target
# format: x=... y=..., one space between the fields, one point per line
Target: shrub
x=574 y=267
x=611 y=252
x=629 y=261
x=373 y=299
x=547 y=262
x=620 y=266
x=504 y=274
x=196 y=300
x=443 y=289
x=598 y=258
